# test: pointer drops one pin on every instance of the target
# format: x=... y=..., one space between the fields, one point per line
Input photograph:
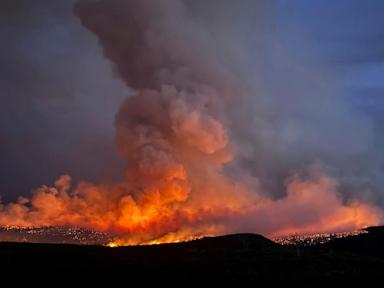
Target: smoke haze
x=229 y=129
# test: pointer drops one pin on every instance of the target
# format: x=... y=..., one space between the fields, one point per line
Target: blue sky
x=348 y=37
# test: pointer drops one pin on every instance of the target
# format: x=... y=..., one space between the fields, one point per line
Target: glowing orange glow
x=177 y=136
x=176 y=190
x=112 y=244
x=172 y=213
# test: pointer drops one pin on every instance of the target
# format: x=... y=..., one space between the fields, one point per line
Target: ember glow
x=176 y=133
x=146 y=218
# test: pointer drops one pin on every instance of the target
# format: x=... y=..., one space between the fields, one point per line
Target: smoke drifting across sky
x=229 y=129
x=53 y=118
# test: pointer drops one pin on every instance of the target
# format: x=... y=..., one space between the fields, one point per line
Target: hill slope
x=241 y=257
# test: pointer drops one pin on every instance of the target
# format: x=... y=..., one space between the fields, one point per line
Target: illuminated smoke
x=176 y=133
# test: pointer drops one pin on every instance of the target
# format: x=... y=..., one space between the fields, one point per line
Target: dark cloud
x=53 y=118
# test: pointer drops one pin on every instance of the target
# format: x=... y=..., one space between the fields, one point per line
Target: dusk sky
x=59 y=95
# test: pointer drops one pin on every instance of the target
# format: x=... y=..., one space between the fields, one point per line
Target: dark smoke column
x=173 y=130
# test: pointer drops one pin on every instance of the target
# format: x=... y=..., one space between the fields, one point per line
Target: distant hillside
x=370 y=244
x=54 y=235
x=232 y=242
x=231 y=258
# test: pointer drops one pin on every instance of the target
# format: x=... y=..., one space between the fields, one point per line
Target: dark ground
x=357 y=260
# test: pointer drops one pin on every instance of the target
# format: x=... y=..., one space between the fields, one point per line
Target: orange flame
x=309 y=207
x=175 y=139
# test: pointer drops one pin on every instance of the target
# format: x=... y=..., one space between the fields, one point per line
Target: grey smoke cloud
x=53 y=118
x=284 y=109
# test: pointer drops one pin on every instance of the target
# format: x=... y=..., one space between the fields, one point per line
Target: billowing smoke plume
x=186 y=135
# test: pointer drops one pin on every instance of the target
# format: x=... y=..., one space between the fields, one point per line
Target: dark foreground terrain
x=357 y=260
